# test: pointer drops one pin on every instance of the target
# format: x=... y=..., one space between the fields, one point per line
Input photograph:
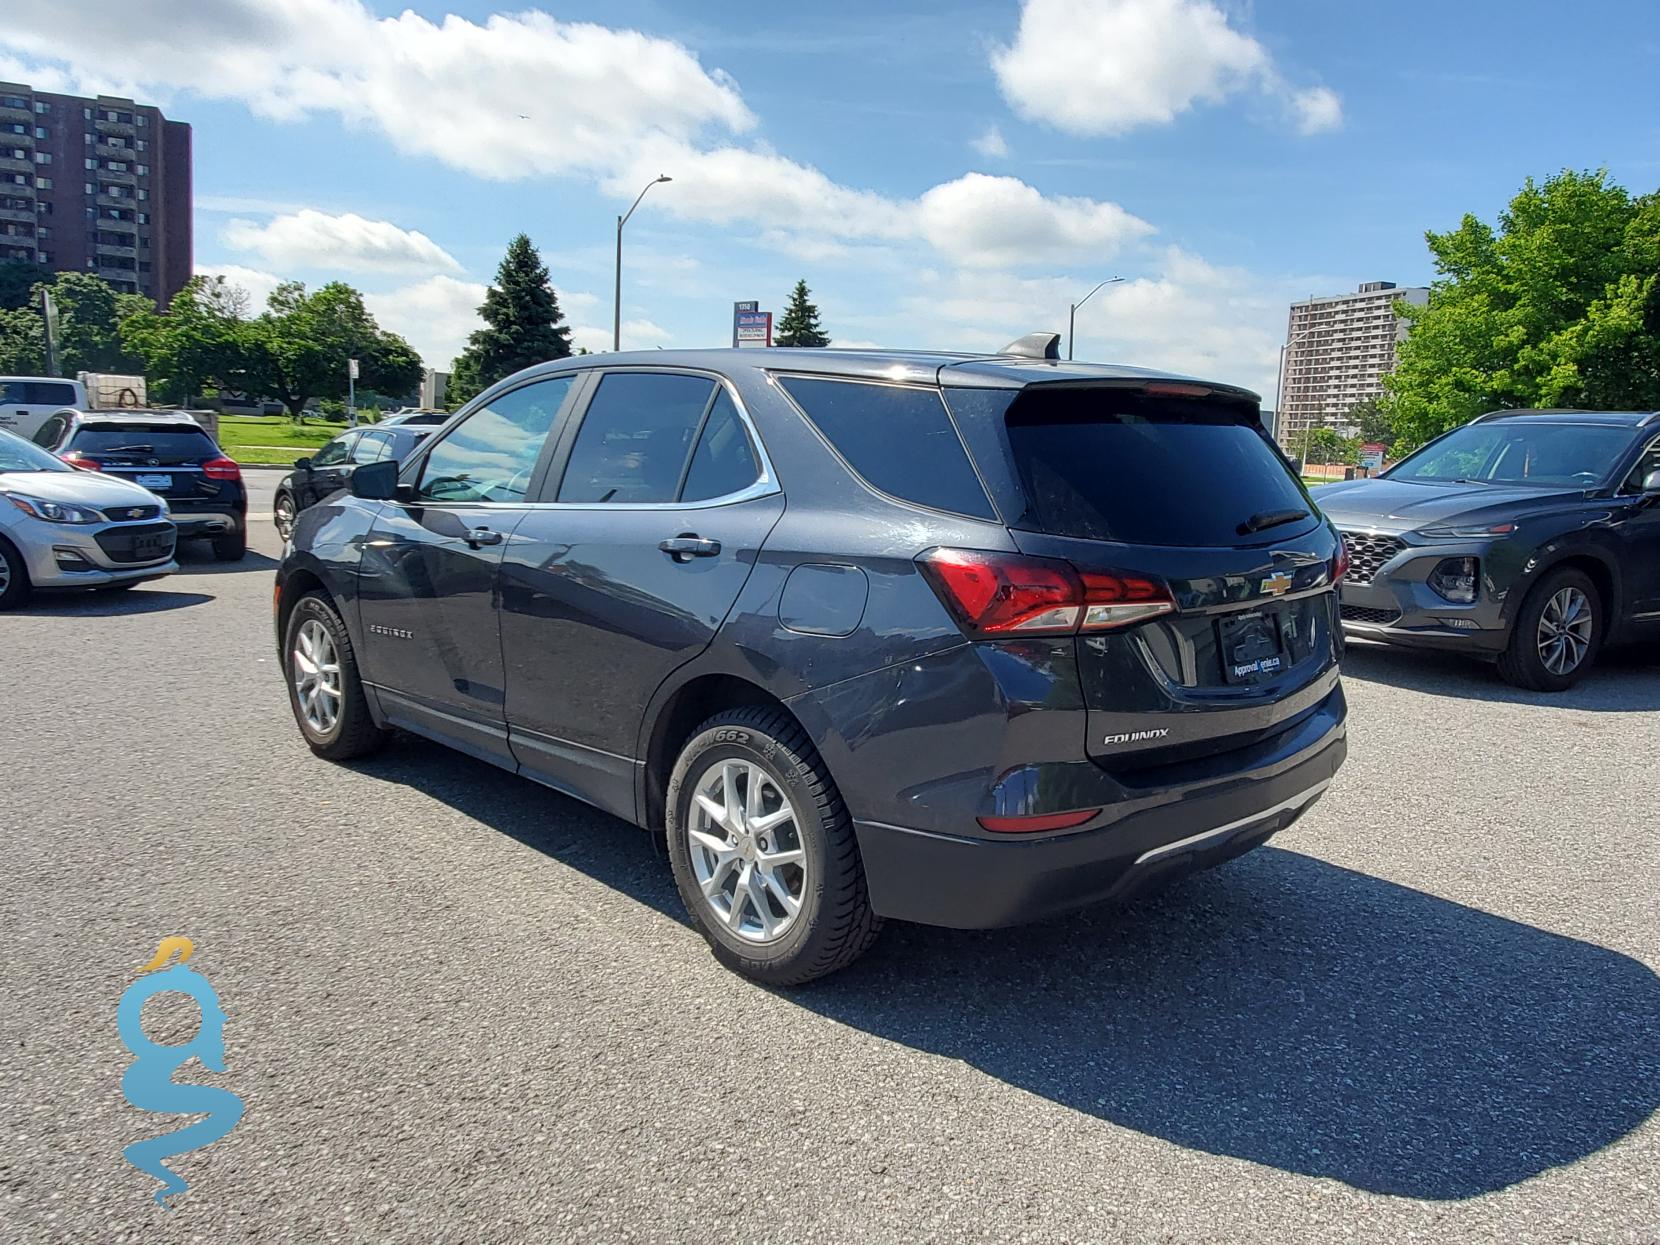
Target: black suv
x=1529 y=537
x=168 y=453
x=327 y=470
x=955 y=639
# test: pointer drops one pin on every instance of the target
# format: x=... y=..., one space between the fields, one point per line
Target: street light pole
x=616 y=309
x=1279 y=385
x=1072 y=315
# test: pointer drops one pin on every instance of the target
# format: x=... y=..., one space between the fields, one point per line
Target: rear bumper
x=218 y=523
x=978 y=883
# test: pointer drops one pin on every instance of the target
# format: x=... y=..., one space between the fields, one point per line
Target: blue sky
x=941 y=176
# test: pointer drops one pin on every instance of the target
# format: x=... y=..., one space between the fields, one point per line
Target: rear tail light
x=1340 y=561
x=221 y=469
x=76 y=459
x=1004 y=594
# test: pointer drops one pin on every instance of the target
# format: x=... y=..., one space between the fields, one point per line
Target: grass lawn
x=271 y=439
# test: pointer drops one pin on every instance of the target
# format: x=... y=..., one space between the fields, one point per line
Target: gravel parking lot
x=464 y=1008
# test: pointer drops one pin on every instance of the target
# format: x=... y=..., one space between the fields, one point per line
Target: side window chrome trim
x=766 y=484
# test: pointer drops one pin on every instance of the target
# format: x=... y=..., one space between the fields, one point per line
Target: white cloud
x=979 y=219
x=636 y=335
x=1316 y=109
x=255 y=283
x=434 y=316
x=516 y=96
x=311 y=239
x=1099 y=67
x=991 y=144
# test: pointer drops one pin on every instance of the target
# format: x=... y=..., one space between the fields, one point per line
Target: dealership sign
x=750 y=325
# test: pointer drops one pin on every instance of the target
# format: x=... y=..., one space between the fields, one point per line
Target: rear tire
x=14 y=576
x=1556 y=635
x=231 y=546
x=809 y=913
x=283 y=514
x=324 y=688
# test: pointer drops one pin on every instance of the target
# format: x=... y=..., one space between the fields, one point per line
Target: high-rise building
x=95 y=185
x=1337 y=351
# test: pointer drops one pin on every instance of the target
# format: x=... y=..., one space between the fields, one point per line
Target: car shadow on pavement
x=198 y=559
x=1279 y=1009
x=1624 y=680
x=144 y=599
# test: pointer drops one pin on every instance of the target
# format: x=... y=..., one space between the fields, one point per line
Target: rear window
x=1122 y=465
x=172 y=440
x=898 y=437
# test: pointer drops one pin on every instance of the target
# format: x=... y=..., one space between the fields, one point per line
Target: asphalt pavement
x=464 y=1008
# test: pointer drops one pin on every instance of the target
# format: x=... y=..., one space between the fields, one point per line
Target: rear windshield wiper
x=1268 y=519
x=129 y=449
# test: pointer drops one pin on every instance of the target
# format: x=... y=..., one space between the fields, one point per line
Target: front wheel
x=283 y=512
x=14 y=577
x=1557 y=633
x=324 y=688
x=763 y=850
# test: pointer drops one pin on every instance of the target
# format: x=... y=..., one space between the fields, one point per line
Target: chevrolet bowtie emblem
x=1277 y=583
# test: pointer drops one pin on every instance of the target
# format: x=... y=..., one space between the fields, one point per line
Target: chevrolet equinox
x=965 y=640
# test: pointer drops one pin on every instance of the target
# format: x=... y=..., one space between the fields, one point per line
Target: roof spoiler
x=1035 y=346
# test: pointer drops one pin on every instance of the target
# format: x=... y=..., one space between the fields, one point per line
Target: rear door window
x=635 y=438
x=899 y=438
x=1124 y=465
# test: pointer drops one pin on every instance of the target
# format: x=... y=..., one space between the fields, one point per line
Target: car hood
x=83 y=488
x=1399 y=506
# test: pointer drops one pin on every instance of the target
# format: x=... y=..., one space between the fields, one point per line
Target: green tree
x=18 y=278
x=800 y=324
x=303 y=340
x=1370 y=421
x=522 y=325
x=90 y=312
x=1557 y=306
x=202 y=338
x=22 y=342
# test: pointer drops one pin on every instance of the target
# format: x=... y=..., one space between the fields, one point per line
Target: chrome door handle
x=483 y=536
x=689 y=545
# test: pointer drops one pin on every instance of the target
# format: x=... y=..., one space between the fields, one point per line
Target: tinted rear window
x=1112 y=464
x=899 y=438
x=175 y=441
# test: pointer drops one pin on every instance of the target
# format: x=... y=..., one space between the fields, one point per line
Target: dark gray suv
x=1527 y=537
x=945 y=638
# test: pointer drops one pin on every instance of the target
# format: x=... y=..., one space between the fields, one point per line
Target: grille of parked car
x=1368 y=553
x=1365 y=614
x=131 y=514
x=150 y=543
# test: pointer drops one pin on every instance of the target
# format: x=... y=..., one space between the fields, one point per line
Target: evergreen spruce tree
x=800 y=325
x=522 y=324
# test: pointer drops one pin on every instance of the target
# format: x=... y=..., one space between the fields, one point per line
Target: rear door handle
x=483 y=536
x=689 y=545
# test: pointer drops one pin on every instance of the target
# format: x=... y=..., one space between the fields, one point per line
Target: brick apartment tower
x=96 y=185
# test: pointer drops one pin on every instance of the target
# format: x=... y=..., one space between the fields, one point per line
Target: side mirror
x=376 y=481
x=302 y=464
x=1651 y=482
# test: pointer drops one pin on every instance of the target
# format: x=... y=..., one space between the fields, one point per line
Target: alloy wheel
x=746 y=850
x=316 y=675
x=5 y=572
x=285 y=517
x=1565 y=629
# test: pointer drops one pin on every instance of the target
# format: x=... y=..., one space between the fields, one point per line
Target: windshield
x=1504 y=452
x=16 y=454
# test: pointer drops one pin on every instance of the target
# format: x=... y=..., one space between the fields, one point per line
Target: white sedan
x=65 y=528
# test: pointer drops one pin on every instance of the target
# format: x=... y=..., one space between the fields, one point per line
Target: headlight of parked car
x=53 y=511
x=1455 y=579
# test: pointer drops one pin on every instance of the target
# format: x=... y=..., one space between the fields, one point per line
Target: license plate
x=153 y=481
x=1250 y=647
x=157 y=546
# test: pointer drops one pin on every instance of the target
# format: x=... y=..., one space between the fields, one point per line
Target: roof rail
x=1035 y=346
x=1653 y=417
